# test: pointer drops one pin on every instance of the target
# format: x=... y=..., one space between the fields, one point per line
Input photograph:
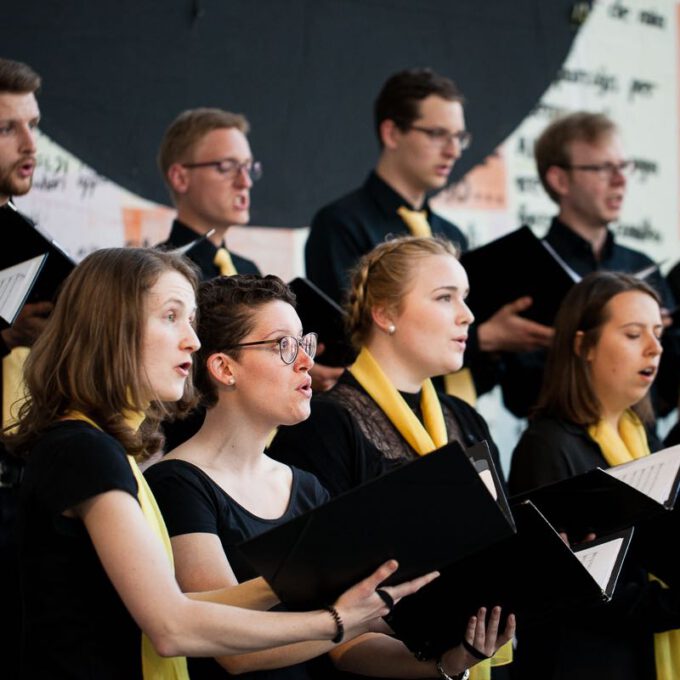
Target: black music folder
x=532 y=574
x=511 y=267
x=321 y=314
x=27 y=241
x=642 y=493
x=426 y=514
x=16 y=283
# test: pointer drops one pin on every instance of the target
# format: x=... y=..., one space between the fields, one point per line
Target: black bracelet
x=473 y=651
x=339 y=627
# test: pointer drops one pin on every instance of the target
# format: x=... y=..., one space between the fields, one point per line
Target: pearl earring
x=231 y=381
x=391 y=329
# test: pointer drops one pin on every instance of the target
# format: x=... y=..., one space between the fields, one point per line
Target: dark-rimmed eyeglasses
x=289 y=346
x=604 y=170
x=441 y=136
x=228 y=167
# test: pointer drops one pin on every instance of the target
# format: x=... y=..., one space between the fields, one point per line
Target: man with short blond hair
x=208 y=167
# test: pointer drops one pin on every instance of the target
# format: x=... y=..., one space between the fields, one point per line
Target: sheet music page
x=15 y=283
x=652 y=475
x=600 y=560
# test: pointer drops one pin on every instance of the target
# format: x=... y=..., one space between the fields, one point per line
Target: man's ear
x=557 y=179
x=390 y=134
x=178 y=178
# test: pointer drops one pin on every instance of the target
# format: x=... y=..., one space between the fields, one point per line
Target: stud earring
x=391 y=329
x=231 y=381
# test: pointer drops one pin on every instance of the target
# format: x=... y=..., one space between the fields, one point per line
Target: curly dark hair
x=227 y=307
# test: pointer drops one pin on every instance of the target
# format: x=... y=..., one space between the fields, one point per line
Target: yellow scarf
x=154 y=667
x=423 y=440
x=622 y=446
x=13 y=387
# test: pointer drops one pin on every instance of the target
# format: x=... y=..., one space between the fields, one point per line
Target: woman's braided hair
x=384 y=276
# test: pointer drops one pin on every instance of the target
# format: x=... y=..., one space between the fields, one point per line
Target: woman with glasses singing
x=220 y=488
x=408 y=319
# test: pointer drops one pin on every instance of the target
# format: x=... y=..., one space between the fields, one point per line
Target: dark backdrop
x=305 y=72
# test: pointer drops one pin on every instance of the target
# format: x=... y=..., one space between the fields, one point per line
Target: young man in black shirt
x=420 y=126
x=207 y=164
x=582 y=167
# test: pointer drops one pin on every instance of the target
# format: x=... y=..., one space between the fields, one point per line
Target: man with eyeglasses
x=420 y=125
x=207 y=164
x=582 y=167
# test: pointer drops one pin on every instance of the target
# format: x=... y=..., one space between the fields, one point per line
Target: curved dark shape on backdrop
x=305 y=72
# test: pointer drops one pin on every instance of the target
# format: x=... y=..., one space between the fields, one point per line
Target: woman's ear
x=578 y=343
x=221 y=370
x=383 y=319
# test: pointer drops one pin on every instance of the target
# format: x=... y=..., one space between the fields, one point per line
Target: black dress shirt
x=523 y=372
x=203 y=253
x=352 y=226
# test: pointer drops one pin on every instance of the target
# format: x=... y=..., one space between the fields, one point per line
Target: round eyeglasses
x=230 y=168
x=289 y=346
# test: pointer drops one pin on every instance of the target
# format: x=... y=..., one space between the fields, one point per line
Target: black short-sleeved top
x=191 y=502
x=76 y=625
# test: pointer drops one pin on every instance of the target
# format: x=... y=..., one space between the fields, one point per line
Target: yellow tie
x=224 y=263
x=416 y=221
x=13 y=390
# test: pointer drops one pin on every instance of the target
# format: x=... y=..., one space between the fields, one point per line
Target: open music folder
x=16 y=283
x=513 y=266
x=533 y=574
x=321 y=314
x=641 y=493
x=28 y=241
x=426 y=513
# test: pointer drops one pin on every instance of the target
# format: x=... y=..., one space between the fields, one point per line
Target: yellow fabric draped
x=622 y=446
x=154 y=667
x=423 y=440
x=224 y=263
x=460 y=384
x=415 y=220
x=13 y=390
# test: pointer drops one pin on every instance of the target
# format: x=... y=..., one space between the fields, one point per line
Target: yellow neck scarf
x=622 y=446
x=154 y=667
x=423 y=440
x=224 y=263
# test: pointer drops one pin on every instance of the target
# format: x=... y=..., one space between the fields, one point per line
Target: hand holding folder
x=418 y=514
x=514 y=266
x=642 y=493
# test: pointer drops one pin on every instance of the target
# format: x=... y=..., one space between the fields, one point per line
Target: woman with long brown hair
x=594 y=411
x=100 y=595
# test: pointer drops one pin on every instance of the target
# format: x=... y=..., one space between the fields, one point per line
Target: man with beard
x=19 y=117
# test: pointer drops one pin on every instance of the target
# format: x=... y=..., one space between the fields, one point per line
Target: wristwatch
x=442 y=673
